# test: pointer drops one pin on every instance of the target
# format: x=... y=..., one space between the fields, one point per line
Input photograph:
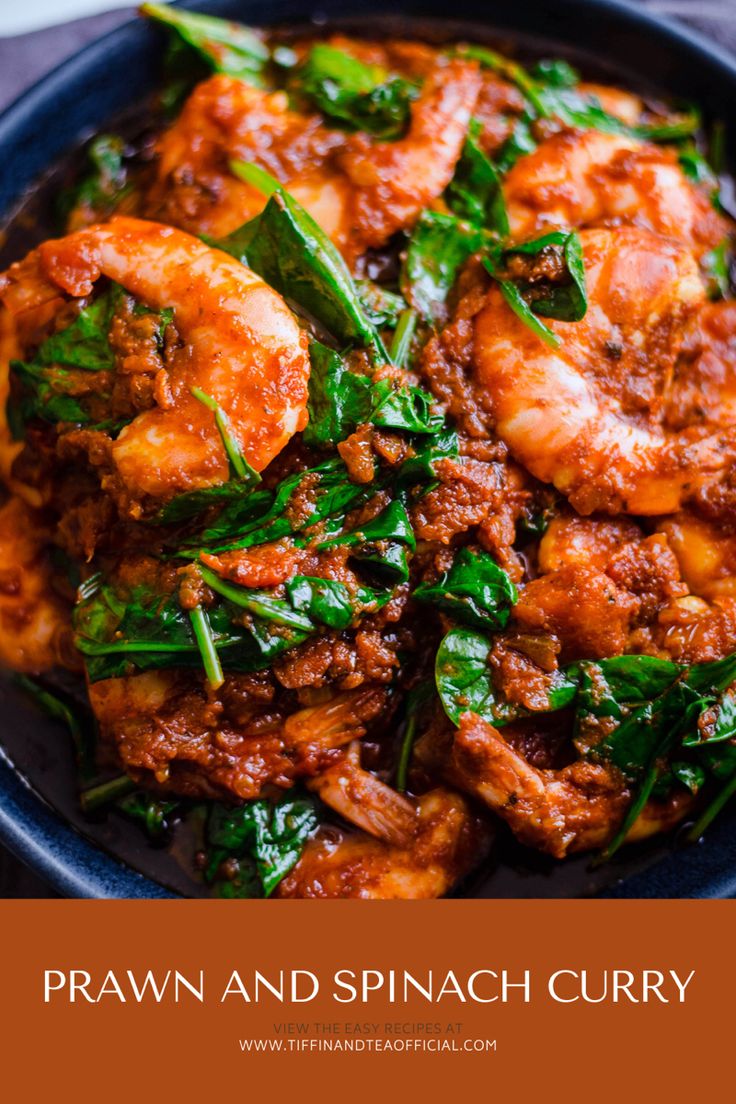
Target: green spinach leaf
x=475 y=591
x=362 y=97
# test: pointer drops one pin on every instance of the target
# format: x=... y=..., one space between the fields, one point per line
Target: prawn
x=584 y=417
x=365 y=800
x=227 y=119
x=577 y=808
x=242 y=346
x=35 y=621
x=448 y=840
x=359 y=190
x=393 y=181
x=585 y=179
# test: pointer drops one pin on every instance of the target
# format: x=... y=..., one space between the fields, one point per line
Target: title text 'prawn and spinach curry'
x=370 y=446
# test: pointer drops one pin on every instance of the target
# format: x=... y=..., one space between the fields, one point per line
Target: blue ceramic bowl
x=39 y=819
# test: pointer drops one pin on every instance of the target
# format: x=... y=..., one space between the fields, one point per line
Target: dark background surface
x=26 y=58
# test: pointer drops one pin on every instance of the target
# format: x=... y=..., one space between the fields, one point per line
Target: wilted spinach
x=475 y=591
x=285 y=246
x=356 y=95
x=474 y=193
x=438 y=248
x=564 y=298
x=225 y=47
x=263 y=840
x=48 y=385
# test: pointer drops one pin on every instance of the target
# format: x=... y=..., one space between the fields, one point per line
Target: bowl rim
x=35 y=833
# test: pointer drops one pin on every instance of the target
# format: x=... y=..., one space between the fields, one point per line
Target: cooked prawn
x=573 y=809
x=703 y=390
x=585 y=179
x=584 y=417
x=226 y=119
x=366 y=801
x=35 y=634
x=360 y=191
x=448 y=840
x=393 y=181
x=706 y=555
x=242 y=347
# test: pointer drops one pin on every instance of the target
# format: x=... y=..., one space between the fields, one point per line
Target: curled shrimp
x=584 y=179
x=447 y=841
x=585 y=416
x=393 y=181
x=577 y=808
x=227 y=119
x=35 y=628
x=241 y=345
x=360 y=191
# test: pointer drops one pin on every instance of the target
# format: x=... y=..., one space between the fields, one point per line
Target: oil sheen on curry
x=370 y=459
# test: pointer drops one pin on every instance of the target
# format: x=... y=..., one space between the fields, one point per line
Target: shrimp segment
x=367 y=802
x=393 y=181
x=447 y=842
x=584 y=417
x=360 y=191
x=166 y=729
x=574 y=809
x=242 y=347
x=226 y=119
x=593 y=179
x=35 y=630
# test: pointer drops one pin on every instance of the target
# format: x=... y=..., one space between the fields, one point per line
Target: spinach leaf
x=104 y=185
x=475 y=591
x=400 y=350
x=565 y=298
x=519 y=142
x=716 y=265
x=403 y=408
x=550 y=92
x=382 y=307
x=323 y=600
x=271 y=835
x=380 y=545
x=293 y=254
x=474 y=193
x=225 y=47
x=438 y=248
x=47 y=382
x=152 y=813
x=339 y=400
x=464 y=681
x=362 y=97
x=50 y=385
x=264 y=516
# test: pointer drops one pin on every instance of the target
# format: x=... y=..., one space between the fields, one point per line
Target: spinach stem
x=205 y=641
x=97 y=796
x=403 y=334
x=632 y=815
x=712 y=810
